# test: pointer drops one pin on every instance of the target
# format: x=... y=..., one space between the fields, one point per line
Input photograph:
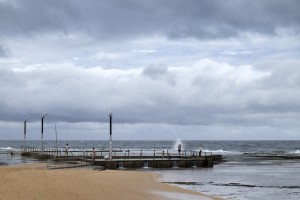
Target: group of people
x=180 y=148
x=93 y=153
x=169 y=155
x=67 y=151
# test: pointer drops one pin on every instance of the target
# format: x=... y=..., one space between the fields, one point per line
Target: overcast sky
x=167 y=69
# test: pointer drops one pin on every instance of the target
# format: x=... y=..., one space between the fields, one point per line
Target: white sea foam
x=220 y=151
x=175 y=146
x=294 y=152
x=6 y=148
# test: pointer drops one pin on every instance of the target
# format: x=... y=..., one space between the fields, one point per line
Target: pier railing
x=127 y=158
x=116 y=153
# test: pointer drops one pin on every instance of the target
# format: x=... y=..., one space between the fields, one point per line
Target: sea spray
x=175 y=146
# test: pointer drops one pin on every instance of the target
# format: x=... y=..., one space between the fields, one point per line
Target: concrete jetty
x=128 y=159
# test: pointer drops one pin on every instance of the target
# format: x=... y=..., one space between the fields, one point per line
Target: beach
x=251 y=170
x=34 y=181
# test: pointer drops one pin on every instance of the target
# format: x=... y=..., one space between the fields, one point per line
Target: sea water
x=251 y=169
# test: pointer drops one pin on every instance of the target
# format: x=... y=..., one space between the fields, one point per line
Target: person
x=67 y=149
x=179 y=148
x=93 y=152
x=163 y=154
x=169 y=156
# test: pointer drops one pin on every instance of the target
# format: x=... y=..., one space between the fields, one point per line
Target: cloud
x=3 y=51
x=206 y=93
x=132 y=18
x=159 y=72
x=135 y=33
x=155 y=71
x=195 y=66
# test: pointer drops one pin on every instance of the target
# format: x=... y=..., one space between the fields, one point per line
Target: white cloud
x=206 y=94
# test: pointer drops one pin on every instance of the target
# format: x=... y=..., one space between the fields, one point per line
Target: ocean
x=251 y=170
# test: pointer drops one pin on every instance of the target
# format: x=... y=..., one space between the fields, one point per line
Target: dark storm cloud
x=76 y=59
x=132 y=18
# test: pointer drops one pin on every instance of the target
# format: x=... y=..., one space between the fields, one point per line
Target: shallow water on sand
x=231 y=181
x=181 y=196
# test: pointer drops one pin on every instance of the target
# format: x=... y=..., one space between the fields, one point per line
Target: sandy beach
x=34 y=181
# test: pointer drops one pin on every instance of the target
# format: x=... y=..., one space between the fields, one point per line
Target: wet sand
x=34 y=181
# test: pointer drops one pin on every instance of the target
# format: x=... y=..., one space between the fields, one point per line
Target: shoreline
x=34 y=181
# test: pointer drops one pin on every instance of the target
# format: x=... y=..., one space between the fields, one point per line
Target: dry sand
x=35 y=182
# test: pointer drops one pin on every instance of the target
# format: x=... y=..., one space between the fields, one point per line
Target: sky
x=166 y=69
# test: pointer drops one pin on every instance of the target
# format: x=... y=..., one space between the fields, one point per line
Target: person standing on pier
x=66 y=149
x=93 y=152
x=179 y=148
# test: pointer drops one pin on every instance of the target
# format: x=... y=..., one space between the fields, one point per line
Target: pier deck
x=130 y=159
